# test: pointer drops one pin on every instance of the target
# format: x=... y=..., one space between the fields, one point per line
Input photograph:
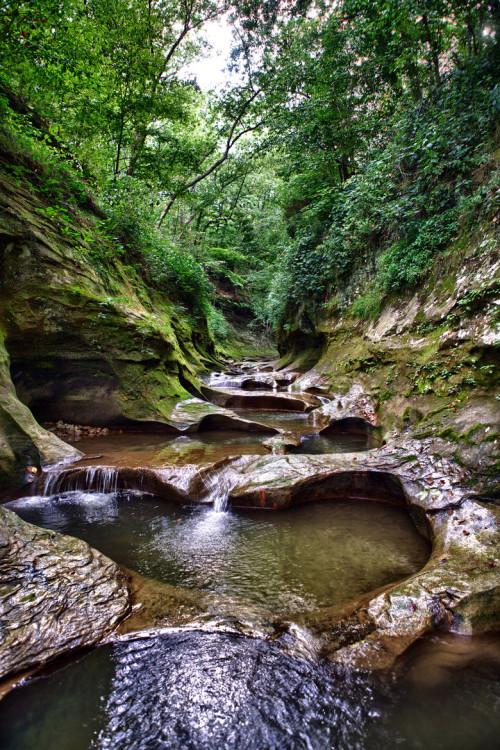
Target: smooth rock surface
x=459 y=588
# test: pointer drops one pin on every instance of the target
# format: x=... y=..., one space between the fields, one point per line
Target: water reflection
x=202 y=448
x=344 y=442
x=194 y=691
x=253 y=562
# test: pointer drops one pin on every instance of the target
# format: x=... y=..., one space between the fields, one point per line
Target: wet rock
x=23 y=442
x=82 y=351
x=56 y=594
x=185 y=485
x=459 y=588
x=193 y=415
x=256 y=385
x=156 y=604
x=282 y=443
x=356 y=406
x=234 y=399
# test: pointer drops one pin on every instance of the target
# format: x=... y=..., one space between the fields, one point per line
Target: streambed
x=252 y=562
x=195 y=690
x=192 y=689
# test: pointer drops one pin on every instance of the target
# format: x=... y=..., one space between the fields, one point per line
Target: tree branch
x=230 y=141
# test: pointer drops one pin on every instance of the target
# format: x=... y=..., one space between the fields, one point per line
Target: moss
x=406 y=418
x=492 y=437
x=492 y=471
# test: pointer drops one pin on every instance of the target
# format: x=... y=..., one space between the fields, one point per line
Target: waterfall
x=221 y=380
x=94 y=478
x=324 y=399
x=219 y=488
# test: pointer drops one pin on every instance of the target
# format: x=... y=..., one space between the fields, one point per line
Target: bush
x=178 y=273
x=217 y=325
x=406 y=202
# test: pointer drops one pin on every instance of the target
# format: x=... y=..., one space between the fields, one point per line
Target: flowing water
x=210 y=691
x=193 y=690
x=253 y=562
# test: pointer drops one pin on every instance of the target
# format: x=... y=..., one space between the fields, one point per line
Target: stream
x=204 y=687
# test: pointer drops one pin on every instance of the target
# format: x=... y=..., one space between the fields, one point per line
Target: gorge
x=249 y=419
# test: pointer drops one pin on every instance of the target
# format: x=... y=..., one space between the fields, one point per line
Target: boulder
x=56 y=594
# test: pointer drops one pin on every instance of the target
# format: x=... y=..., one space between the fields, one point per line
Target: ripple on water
x=254 y=561
x=190 y=690
x=206 y=691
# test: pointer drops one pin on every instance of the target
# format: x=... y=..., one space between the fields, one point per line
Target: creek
x=203 y=687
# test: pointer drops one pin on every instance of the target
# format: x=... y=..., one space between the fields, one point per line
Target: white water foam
x=219 y=487
x=102 y=479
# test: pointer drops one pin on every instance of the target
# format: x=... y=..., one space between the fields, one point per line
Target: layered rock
x=426 y=366
x=56 y=594
x=24 y=444
x=83 y=346
x=459 y=588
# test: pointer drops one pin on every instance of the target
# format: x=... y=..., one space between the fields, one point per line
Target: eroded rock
x=56 y=594
x=24 y=444
x=459 y=588
x=193 y=415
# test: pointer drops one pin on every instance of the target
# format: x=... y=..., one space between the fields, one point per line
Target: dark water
x=292 y=421
x=206 y=691
x=345 y=442
x=253 y=561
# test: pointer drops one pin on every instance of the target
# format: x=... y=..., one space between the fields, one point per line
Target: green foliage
x=174 y=271
x=231 y=258
x=368 y=305
x=405 y=204
x=217 y=325
x=346 y=158
x=128 y=208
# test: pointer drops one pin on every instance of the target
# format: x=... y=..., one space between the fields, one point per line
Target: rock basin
x=458 y=589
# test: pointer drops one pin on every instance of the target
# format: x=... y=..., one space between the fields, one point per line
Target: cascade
x=324 y=399
x=219 y=487
x=222 y=380
x=95 y=478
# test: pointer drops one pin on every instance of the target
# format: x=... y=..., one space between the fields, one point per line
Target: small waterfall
x=324 y=399
x=94 y=478
x=50 y=481
x=219 y=487
x=101 y=479
x=222 y=380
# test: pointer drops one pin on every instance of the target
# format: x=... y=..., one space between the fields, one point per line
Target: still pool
x=255 y=562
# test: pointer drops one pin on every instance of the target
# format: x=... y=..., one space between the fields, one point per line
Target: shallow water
x=136 y=449
x=204 y=691
x=254 y=562
x=191 y=690
x=297 y=422
x=345 y=442
x=207 y=447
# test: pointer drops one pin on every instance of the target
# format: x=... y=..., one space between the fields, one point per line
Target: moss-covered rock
x=79 y=345
x=428 y=363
